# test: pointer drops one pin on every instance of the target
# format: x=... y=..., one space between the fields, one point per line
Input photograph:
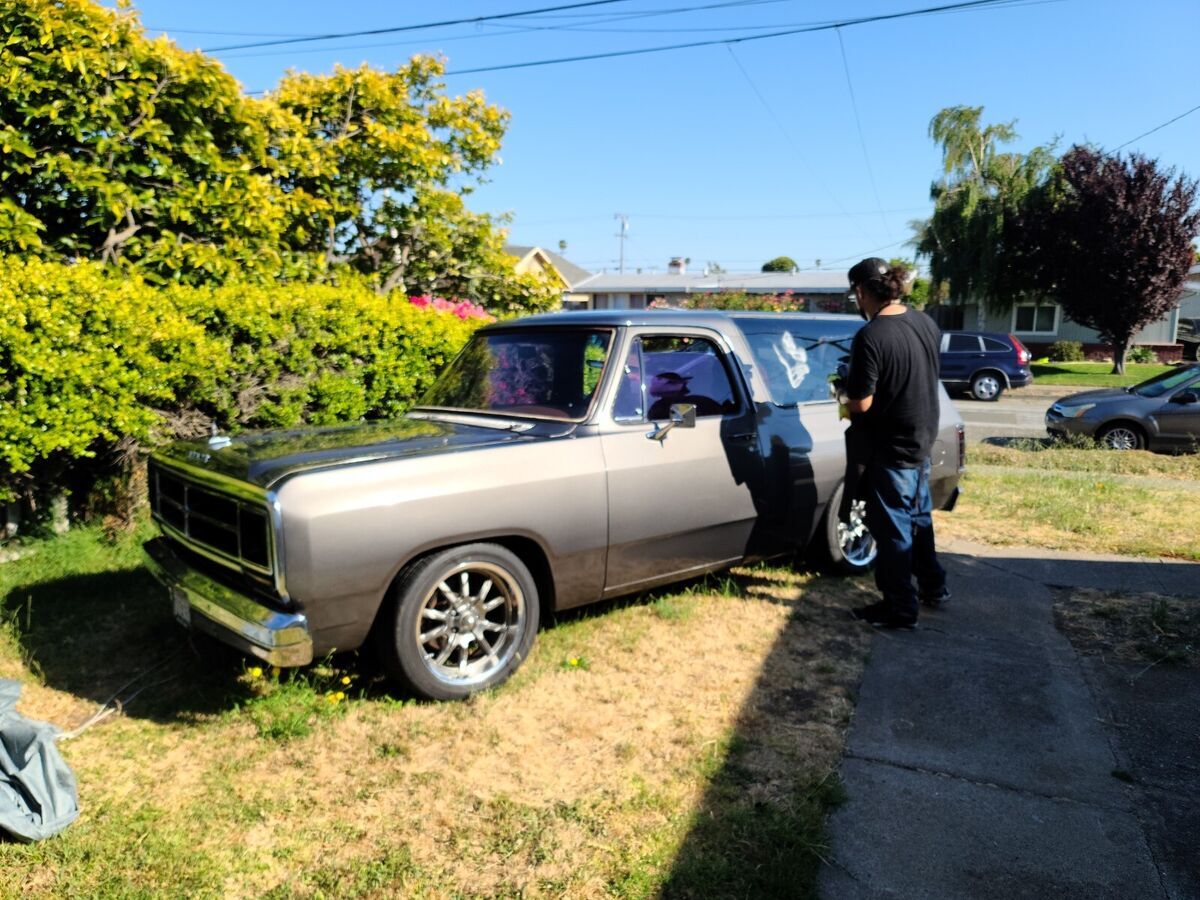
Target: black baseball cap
x=871 y=267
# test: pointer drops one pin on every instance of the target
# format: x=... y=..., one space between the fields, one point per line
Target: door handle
x=743 y=437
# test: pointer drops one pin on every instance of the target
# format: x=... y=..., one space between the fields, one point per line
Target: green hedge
x=90 y=363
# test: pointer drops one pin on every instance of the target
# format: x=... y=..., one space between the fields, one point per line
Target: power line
x=792 y=144
x=862 y=140
x=398 y=28
x=1157 y=128
x=844 y=23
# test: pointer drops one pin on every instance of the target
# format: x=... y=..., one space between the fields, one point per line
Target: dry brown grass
x=583 y=781
x=1145 y=627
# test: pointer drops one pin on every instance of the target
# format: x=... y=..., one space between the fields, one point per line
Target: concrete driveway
x=987 y=759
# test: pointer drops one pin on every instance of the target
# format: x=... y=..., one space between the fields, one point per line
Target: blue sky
x=736 y=154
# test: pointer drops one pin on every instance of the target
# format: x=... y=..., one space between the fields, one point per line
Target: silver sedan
x=1161 y=413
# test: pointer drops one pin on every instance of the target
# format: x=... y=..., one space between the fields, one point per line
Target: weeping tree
x=1111 y=239
x=981 y=189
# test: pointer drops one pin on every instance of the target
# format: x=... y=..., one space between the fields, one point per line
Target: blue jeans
x=900 y=516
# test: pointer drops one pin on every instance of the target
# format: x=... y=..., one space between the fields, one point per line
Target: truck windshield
x=543 y=373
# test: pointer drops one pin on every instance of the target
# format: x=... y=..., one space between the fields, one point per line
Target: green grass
x=1093 y=374
x=1077 y=510
x=1084 y=456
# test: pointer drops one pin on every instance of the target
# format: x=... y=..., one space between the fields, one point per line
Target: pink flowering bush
x=464 y=309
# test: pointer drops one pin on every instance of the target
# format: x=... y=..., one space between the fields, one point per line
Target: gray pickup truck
x=559 y=460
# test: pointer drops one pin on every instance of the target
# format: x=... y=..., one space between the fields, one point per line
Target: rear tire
x=1121 y=436
x=460 y=621
x=848 y=545
x=987 y=386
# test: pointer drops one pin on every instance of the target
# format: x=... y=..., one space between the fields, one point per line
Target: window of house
x=1039 y=318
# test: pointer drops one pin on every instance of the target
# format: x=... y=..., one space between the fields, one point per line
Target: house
x=1042 y=323
x=822 y=291
x=560 y=270
x=1189 y=302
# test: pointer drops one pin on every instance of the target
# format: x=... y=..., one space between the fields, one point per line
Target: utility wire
x=862 y=140
x=467 y=21
x=1157 y=128
x=792 y=143
x=844 y=23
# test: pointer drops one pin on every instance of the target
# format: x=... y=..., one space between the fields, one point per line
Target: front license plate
x=181 y=607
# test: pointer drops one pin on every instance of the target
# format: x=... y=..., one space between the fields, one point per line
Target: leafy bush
x=1066 y=351
x=91 y=363
x=1141 y=354
x=785 y=302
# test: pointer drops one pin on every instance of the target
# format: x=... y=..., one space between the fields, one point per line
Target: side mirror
x=1185 y=397
x=683 y=415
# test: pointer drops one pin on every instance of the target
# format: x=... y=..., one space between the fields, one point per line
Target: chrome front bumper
x=281 y=639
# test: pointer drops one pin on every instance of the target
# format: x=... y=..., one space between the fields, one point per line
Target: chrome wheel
x=986 y=387
x=857 y=546
x=470 y=623
x=1121 y=437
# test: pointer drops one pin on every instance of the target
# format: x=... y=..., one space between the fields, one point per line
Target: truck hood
x=266 y=457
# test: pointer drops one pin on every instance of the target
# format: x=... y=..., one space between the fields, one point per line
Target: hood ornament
x=216 y=440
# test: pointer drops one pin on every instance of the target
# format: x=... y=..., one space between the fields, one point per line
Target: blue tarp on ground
x=38 y=797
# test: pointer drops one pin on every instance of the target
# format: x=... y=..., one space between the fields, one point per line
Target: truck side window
x=662 y=370
x=797 y=366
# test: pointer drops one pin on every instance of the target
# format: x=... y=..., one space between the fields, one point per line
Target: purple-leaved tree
x=1110 y=238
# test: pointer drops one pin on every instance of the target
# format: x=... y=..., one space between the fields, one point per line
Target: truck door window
x=662 y=370
x=795 y=365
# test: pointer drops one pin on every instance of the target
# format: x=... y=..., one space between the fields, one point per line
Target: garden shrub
x=92 y=363
x=1141 y=354
x=1066 y=351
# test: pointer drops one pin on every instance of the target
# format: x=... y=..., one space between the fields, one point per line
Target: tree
x=132 y=151
x=780 y=264
x=980 y=189
x=1110 y=238
x=136 y=153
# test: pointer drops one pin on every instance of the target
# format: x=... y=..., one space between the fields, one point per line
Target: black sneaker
x=935 y=599
x=880 y=615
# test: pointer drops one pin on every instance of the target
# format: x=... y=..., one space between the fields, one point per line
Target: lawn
x=1093 y=374
x=677 y=744
x=1075 y=510
x=1083 y=456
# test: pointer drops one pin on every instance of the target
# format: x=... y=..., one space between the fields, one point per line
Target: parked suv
x=1188 y=334
x=984 y=363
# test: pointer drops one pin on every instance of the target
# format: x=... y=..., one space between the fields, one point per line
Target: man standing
x=893 y=399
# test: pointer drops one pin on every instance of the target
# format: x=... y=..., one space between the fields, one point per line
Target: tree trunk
x=1119 y=349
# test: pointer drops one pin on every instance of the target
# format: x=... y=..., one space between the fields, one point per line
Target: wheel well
x=526 y=549
x=989 y=369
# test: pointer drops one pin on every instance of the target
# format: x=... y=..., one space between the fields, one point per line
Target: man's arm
x=860 y=406
x=864 y=372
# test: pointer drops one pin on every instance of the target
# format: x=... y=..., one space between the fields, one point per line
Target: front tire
x=461 y=621
x=849 y=545
x=987 y=386
x=1121 y=436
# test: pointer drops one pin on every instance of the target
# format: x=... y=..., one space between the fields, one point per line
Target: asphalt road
x=1015 y=414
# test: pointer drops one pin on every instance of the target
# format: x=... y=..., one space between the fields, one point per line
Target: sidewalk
x=979 y=762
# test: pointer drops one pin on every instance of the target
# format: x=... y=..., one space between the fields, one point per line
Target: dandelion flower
x=255 y=672
x=339 y=696
x=345 y=679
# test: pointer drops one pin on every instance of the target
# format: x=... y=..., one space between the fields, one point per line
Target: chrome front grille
x=212 y=522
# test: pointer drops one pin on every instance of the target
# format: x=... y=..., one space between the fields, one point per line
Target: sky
x=813 y=146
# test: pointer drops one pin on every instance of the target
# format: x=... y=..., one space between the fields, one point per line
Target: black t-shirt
x=895 y=360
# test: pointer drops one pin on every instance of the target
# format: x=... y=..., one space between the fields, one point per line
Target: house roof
x=698 y=283
x=571 y=273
